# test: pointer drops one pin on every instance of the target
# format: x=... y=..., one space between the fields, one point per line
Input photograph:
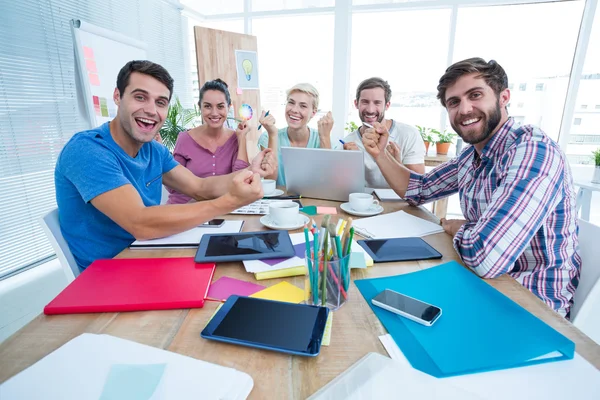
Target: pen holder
x=327 y=288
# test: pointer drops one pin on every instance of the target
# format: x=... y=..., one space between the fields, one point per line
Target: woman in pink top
x=211 y=148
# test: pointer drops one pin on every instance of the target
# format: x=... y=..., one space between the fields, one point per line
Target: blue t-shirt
x=90 y=164
x=284 y=141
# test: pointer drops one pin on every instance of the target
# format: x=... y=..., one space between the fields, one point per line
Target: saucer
x=374 y=210
x=266 y=221
x=277 y=192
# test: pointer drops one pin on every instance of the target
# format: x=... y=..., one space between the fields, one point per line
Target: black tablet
x=270 y=325
x=215 y=247
x=399 y=249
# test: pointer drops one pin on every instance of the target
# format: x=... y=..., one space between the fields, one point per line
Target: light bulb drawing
x=247 y=67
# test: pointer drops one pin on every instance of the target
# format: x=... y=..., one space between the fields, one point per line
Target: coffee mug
x=268 y=186
x=362 y=201
x=284 y=213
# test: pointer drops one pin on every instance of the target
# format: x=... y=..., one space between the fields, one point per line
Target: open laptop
x=323 y=173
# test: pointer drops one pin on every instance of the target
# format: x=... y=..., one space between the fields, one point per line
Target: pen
x=260 y=125
x=367 y=125
x=289 y=197
x=342 y=142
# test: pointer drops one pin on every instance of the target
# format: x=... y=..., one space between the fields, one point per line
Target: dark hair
x=217 y=84
x=491 y=72
x=145 y=67
x=372 y=83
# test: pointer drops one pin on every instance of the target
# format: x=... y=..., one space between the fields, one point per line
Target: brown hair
x=145 y=67
x=491 y=72
x=372 y=83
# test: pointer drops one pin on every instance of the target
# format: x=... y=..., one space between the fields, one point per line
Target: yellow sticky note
x=219 y=307
x=327 y=333
x=283 y=291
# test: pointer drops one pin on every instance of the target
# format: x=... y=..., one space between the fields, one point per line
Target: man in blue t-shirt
x=109 y=179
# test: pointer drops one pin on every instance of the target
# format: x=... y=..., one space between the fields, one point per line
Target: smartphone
x=413 y=309
x=213 y=223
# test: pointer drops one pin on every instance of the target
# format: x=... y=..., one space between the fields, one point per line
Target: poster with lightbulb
x=246 y=63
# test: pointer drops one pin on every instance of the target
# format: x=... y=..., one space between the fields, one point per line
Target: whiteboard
x=100 y=54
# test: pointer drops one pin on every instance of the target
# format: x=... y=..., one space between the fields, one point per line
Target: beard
x=491 y=121
x=380 y=117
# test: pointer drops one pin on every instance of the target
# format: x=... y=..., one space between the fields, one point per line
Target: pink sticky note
x=88 y=52
x=224 y=287
x=94 y=79
x=327 y=210
x=90 y=65
x=238 y=90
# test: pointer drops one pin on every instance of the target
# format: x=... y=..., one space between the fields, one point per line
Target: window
x=40 y=99
x=520 y=105
x=211 y=7
x=544 y=57
x=577 y=121
x=290 y=54
x=584 y=106
x=539 y=87
x=268 y=5
x=597 y=107
x=511 y=86
x=413 y=79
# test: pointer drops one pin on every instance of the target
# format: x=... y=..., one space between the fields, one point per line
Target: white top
x=412 y=151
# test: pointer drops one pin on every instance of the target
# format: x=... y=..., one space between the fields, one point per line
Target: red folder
x=135 y=284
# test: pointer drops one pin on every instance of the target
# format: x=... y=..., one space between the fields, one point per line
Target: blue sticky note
x=132 y=381
x=357 y=260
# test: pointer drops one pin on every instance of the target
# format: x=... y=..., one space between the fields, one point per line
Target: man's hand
x=393 y=150
x=242 y=130
x=351 y=146
x=268 y=122
x=264 y=163
x=451 y=226
x=375 y=139
x=245 y=188
x=325 y=125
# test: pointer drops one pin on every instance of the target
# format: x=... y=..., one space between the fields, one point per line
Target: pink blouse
x=204 y=163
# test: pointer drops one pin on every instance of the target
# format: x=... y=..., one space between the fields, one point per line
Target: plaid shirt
x=519 y=201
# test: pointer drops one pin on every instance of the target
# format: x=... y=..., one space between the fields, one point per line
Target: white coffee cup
x=362 y=201
x=268 y=186
x=284 y=213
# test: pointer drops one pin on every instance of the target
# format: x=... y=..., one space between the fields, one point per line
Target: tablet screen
x=270 y=324
x=241 y=244
x=399 y=249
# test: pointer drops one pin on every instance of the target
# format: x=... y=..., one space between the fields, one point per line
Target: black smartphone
x=213 y=223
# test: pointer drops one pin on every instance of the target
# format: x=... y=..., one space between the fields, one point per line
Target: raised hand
x=242 y=130
x=325 y=125
x=264 y=164
x=375 y=139
x=268 y=122
x=245 y=188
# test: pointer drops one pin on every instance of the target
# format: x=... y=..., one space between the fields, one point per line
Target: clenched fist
x=242 y=130
x=245 y=188
x=393 y=150
x=325 y=125
x=375 y=139
x=264 y=163
x=268 y=122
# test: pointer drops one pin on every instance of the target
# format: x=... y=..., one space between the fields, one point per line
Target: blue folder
x=480 y=328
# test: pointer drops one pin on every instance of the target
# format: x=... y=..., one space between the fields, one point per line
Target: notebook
x=259 y=207
x=478 y=330
x=188 y=239
x=398 y=224
x=135 y=284
x=105 y=367
x=387 y=195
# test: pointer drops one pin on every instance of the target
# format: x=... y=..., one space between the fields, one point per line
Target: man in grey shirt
x=405 y=145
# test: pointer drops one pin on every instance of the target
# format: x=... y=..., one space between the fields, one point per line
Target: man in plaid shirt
x=514 y=182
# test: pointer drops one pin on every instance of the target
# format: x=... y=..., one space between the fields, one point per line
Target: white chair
x=585 y=312
x=51 y=226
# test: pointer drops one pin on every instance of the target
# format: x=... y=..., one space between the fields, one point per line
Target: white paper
x=395 y=225
x=259 y=207
x=387 y=194
x=379 y=377
x=570 y=379
x=78 y=371
x=190 y=238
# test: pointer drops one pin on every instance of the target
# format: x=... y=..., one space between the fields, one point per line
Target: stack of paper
x=105 y=367
x=387 y=195
x=279 y=268
x=395 y=225
x=187 y=239
x=259 y=207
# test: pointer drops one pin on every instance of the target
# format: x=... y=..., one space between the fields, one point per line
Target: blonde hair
x=309 y=90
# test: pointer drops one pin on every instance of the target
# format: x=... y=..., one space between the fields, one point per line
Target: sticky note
x=309 y=210
x=132 y=381
x=283 y=291
x=239 y=91
x=94 y=79
x=327 y=332
x=90 y=65
x=88 y=52
x=225 y=286
x=327 y=210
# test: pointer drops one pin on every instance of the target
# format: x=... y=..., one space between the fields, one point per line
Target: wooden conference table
x=276 y=376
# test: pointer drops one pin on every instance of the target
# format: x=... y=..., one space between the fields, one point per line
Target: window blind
x=39 y=108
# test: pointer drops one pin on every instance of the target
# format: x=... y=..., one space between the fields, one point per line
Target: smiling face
x=371 y=105
x=474 y=110
x=299 y=109
x=214 y=108
x=143 y=107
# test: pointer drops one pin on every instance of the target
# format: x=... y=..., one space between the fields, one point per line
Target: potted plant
x=178 y=120
x=426 y=136
x=350 y=127
x=444 y=141
x=596 y=178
